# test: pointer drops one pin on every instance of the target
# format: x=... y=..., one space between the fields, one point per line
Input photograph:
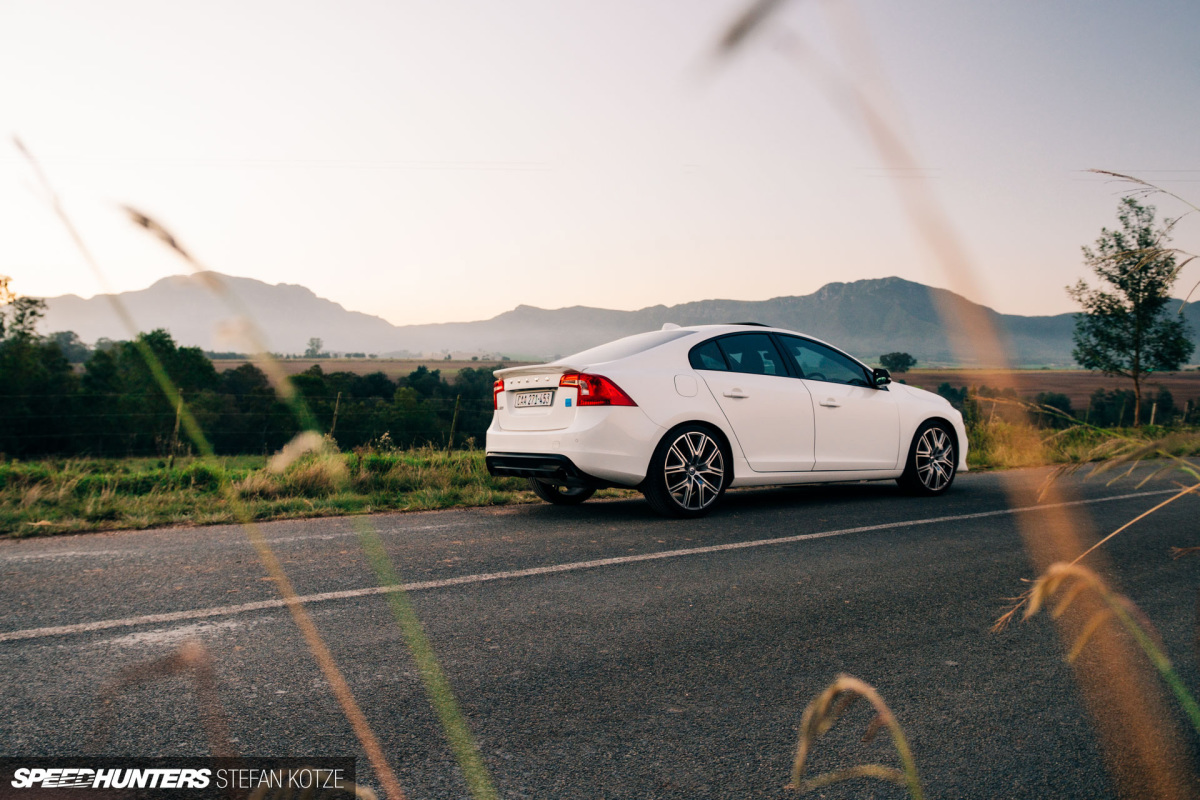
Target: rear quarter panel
x=649 y=378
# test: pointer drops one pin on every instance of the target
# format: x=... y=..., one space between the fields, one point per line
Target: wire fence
x=144 y=424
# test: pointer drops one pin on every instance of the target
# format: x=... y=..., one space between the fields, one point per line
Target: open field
x=392 y=367
x=1075 y=384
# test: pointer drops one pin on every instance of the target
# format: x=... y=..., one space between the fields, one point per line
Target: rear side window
x=816 y=362
x=752 y=353
x=707 y=356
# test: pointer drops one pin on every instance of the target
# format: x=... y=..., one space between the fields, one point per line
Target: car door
x=857 y=425
x=771 y=414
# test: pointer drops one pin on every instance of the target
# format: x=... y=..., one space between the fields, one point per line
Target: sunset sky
x=438 y=161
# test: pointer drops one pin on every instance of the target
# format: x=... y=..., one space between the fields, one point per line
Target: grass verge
x=76 y=495
x=1001 y=444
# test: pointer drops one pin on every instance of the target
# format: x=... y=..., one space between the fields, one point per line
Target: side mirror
x=881 y=376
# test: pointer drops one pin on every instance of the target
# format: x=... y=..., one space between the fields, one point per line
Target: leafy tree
x=962 y=400
x=428 y=383
x=1060 y=403
x=897 y=362
x=314 y=349
x=69 y=343
x=19 y=318
x=1125 y=328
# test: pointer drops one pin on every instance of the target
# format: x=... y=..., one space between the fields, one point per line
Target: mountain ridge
x=866 y=317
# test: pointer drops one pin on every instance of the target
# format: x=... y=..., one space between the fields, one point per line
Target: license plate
x=535 y=399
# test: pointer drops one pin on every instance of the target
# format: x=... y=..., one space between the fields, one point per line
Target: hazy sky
x=447 y=160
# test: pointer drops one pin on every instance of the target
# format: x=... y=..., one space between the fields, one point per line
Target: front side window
x=816 y=362
x=752 y=353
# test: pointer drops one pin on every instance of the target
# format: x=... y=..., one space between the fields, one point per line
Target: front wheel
x=560 y=495
x=689 y=472
x=932 y=461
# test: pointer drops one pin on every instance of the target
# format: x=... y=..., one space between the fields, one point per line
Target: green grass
x=1000 y=444
x=75 y=495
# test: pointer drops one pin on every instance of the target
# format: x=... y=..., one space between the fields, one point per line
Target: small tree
x=18 y=315
x=314 y=348
x=897 y=362
x=1125 y=328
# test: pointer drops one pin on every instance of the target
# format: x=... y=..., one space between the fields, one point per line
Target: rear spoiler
x=536 y=369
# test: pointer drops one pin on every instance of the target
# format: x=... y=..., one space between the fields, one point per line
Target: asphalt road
x=595 y=671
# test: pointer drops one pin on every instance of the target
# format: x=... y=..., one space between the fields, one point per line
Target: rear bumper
x=547 y=466
x=606 y=446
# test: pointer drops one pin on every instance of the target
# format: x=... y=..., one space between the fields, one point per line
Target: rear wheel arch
x=694 y=445
x=722 y=438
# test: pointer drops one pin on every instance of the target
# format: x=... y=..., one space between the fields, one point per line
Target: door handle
x=829 y=402
x=735 y=393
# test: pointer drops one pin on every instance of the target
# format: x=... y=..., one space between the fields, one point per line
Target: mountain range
x=866 y=318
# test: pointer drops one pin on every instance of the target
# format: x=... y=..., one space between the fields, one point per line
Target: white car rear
x=685 y=413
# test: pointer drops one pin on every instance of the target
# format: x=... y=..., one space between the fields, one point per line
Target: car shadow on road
x=827 y=496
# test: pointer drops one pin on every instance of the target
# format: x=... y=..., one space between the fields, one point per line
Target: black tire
x=560 y=495
x=932 y=460
x=689 y=472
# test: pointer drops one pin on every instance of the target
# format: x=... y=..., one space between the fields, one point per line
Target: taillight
x=497 y=390
x=596 y=390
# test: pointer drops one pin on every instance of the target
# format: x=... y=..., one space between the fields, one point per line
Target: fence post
x=336 y=405
x=453 y=423
x=175 y=434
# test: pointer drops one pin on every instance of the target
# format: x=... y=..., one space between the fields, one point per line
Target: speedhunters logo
x=179 y=778
x=72 y=777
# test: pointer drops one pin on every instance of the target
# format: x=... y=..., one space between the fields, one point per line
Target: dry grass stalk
x=302 y=444
x=308 y=629
x=323 y=475
x=190 y=659
x=1026 y=599
x=1117 y=608
x=243 y=325
x=823 y=713
x=1134 y=733
x=265 y=791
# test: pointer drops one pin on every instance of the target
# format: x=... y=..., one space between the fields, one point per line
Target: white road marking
x=463 y=580
x=232 y=542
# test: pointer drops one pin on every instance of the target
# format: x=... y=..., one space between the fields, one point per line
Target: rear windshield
x=623 y=348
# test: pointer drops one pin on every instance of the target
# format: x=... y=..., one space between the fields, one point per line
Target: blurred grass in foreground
x=1002 y=444
x=51 y=496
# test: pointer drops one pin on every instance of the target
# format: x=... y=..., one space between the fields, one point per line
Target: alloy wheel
x=694 y=470
x=935 y=459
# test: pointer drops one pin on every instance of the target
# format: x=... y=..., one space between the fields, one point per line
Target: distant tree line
x=1105 y=409
x=115 y=407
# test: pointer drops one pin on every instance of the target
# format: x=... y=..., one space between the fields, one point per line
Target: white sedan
x=685 y=413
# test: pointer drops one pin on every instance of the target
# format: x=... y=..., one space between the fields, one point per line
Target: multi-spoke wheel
x=688 y=473
x=560 y=495
x=932 y=460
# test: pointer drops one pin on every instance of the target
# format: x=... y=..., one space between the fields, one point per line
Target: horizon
x=424 y=164
x=223 y=275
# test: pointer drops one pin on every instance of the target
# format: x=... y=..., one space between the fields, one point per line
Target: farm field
x=392 y=367
x=1075 y=384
